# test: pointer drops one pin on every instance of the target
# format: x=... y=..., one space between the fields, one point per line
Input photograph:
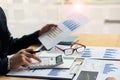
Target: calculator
x=47 y=62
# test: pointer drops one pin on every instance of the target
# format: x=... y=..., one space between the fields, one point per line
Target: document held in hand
x=64 y=29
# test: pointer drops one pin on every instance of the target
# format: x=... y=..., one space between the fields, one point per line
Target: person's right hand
x=21 y=58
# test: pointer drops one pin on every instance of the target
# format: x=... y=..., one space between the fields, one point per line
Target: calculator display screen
x=59 y=59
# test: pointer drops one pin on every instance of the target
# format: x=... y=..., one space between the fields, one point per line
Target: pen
x=74 y=75
x=32 y=52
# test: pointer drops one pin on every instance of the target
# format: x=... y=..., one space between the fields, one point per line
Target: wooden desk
x=112 y=40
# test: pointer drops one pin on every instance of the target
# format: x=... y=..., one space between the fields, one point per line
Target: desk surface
x=111 y=40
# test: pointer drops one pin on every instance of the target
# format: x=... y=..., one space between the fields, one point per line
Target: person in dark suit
x=17 y=46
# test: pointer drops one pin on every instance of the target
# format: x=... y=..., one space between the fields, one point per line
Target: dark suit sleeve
x=3 y=66
x=10 y=45
x=4 y=37
x=23 y=42
x=16 y=45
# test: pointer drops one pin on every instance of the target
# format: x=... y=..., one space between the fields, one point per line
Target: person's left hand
x=46 y=28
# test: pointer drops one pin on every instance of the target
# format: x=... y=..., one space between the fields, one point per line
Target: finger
x=36 y=58
x=28 y=59
x=47 y=28
x=52 y=25
x=26 y=62
x=25 y=51
x=29 y=55
x=28 y=49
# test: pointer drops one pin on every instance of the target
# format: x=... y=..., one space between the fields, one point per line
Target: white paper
x=57 y=51
x=96 y=52
x=61 y=72
x=64 y=29
x=92 y=69
x=101 y=52
x=42 y=73
x=111 y=69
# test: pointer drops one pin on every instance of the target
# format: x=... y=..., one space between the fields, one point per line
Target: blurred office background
x=26 y=16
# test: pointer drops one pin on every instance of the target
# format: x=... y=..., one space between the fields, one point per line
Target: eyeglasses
x=79 y=48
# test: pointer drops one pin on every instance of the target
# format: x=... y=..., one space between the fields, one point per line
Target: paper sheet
x=96 y=52
x=42 y=73
x=92 y=52
x=101 y=52
x=98 y=70
x=64 y=29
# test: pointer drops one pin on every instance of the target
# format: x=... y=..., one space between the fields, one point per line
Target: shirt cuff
x=9 y=61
